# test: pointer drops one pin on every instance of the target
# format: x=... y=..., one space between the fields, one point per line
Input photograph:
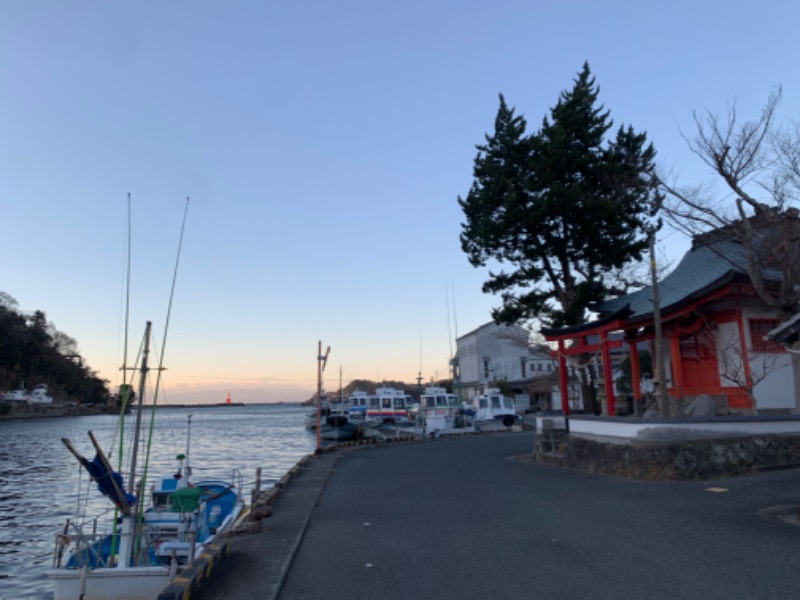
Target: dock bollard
x=257 y=490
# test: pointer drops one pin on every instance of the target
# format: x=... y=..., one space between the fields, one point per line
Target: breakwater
x=22 y=410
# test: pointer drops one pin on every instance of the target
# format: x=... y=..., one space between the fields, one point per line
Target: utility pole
x=321 y=362
x=660 y=382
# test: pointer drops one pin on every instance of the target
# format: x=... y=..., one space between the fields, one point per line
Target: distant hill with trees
x=33 y=351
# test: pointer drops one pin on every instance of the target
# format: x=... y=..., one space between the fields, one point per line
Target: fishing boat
x=493 y=407
x=20 y=395
x=335 y=422
x=389 y=406
x=319 y=412
x=358 y=402
x=39 y=395
x=338 y=427
x=139 y=544
x=442 y=412
x=145 y=545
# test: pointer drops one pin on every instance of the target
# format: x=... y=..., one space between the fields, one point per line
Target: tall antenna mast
x=419 y=374
x=455 y=312
x=447 y=308
x=454 y=366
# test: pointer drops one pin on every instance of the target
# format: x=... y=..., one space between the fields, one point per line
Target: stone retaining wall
x=21 y=410
x=695 y=460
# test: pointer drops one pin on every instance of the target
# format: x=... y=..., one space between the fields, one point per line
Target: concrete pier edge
x=203 y=568
x=189 y=582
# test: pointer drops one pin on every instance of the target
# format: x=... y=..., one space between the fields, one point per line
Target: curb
x=296 y=546
x=203 y=567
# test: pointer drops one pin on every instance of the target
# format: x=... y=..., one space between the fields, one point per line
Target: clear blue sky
x=323 y=146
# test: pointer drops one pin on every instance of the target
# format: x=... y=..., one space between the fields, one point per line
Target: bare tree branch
x=760 y=166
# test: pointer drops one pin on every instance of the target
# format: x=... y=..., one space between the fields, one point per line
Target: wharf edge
x=287 y=527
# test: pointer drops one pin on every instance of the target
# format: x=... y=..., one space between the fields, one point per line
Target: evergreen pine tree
x=564 y=207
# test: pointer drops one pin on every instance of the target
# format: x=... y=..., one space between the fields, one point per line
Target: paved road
x=456 y=519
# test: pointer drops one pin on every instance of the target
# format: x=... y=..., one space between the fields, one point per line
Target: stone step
x=550 y=458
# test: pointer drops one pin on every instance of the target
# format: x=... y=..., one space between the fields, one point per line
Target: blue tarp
x=104 y=480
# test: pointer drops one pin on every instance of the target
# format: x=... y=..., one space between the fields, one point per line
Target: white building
x=495 y=353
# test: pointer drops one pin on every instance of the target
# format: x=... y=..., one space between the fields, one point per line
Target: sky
x=322 y=146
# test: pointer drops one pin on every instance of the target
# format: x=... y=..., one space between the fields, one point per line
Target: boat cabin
x=437 y=397
x=492 y=405
x=389 y=405
x=358 y=403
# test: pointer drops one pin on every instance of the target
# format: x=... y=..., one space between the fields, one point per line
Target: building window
x=486 y=368
x=522 y=365
x=759 y=328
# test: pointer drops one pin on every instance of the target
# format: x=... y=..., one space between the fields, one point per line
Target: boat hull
x=344 y=432
x=499 y=422
x=133 y=583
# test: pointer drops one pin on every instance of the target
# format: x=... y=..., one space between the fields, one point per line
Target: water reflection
x=41 y=482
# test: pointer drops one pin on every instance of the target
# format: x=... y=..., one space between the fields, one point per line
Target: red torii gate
x=678 y=323
x=579 y=336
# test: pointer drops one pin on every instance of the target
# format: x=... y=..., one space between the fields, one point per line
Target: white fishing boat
x=389 y=406
x=493 y=407
x=357 y=403
x=442 y=412
x=318 y=413
x=145 y=545
x=142 y=542
x=310 y=421
x=19 y=395
x=39 y=395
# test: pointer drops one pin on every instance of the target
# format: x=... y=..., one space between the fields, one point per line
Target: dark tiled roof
x=701 y=270
x=786 y=332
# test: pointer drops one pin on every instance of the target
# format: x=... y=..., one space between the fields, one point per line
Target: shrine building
x=714 y=336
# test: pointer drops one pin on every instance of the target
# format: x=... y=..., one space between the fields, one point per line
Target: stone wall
x=21 y=410
x=696 y=460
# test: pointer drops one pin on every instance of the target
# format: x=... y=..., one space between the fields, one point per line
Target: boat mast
x=188 y=469
x=140 y=401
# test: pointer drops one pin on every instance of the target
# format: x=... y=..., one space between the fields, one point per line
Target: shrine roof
x=701 y=270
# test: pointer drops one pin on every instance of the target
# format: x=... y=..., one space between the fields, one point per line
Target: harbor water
x=41 y=483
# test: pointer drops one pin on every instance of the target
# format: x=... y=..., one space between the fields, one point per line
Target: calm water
x=40 y=481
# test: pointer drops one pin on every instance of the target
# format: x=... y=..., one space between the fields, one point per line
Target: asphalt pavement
x=474 y=517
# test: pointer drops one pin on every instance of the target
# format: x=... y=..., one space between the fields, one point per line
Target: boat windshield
x=482 y=403
x=495 y=401
x=508 y=403
x=161 y=499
